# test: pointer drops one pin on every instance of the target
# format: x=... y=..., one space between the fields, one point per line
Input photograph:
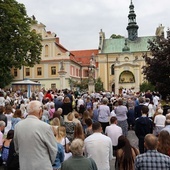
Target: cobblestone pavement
x=134 y=142
x=132 y=138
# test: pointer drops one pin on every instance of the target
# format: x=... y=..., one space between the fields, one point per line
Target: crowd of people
x=65 y=130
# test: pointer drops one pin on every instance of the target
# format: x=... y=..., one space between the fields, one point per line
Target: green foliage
x=5 y=79
x=99 y=85
x=116 y=36
x=19 y=45
x=146 y=86
x=83 y=85
x=157 y=69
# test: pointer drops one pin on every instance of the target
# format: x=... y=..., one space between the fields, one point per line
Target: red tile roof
x=84 y=56
x=81 y=56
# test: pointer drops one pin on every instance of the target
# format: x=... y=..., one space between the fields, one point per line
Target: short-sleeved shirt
x=152 y=160
x=113 y=131
x=160 y=120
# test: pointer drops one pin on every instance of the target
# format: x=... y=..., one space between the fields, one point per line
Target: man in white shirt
x=155 y=101
x=99 y=147
x=40 y=95
x=113 y=131
x=80 y=101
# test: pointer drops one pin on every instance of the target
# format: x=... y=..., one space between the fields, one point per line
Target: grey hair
x=2 y=123
x=160 y=111
x=77 y=147
x=105 y=100
x=34 y=107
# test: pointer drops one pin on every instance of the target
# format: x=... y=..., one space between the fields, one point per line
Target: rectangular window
x=86 y=73
x=53 y=86
x=73 y=71
x=46 y=50
x=39 y=71
x=77 y=74
x=15 y=72
x=53 y=70
x=80 y=73
x=27 y=71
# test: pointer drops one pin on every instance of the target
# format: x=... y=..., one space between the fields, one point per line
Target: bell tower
x=132 y=27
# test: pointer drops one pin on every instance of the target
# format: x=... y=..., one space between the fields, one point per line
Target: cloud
x=78 y=22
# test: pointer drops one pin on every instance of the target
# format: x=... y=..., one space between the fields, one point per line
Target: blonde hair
x=160 y=111
x=55 y=122
x=70 y=116
x=61 y=133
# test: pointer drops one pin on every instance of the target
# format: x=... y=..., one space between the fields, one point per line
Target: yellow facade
x=127 y=71
x=46 y=73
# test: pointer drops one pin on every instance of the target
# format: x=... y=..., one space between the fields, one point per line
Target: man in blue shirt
x=152 y=159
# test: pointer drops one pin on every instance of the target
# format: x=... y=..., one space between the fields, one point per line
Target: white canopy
x=25 y=82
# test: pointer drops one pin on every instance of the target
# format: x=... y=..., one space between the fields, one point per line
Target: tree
x=99 y=85
x=113 y=36
x=19 y=45
x=145 y=86
x=157 y=69
x=82 y=85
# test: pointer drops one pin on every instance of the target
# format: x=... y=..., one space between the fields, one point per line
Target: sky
x=78 y=22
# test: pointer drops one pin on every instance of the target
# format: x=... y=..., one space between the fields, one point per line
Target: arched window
x=126 y=77
x=46 y=50
x=112 y=70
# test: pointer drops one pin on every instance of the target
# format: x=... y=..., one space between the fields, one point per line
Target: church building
x=120 y=60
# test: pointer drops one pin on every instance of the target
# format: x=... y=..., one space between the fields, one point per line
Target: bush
x=147 y=86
